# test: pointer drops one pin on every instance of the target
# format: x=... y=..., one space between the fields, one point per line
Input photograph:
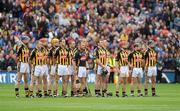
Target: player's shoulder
x=119 y=50
x=75 y=50
x=51 y=49
x=34 y=50
x=133 y=52
x=57 y=48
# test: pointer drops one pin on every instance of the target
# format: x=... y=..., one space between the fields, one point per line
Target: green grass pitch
x=169 y=100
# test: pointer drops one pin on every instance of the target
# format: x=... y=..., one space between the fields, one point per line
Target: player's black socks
x=132 y=92
x=78 y=91
x=139 y=93
x=117 y=93
x=26 y=92
x=17 y=92
x=72 y=93
x=85 y=91
x=55 y=92
x=153 y=91
x=146 y=92
x=45 y=93
x=49 y=92
x=40 y=93
x=124 y=94
x=95 y=91
x=104 y=92
x=31 y=94
x=64 y=93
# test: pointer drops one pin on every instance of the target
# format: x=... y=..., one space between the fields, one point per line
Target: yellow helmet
x=54 y=41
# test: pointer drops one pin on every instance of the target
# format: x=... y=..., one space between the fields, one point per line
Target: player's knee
x=18 y=81
x=25 y=81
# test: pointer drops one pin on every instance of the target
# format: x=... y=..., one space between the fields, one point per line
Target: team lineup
x=69 y=60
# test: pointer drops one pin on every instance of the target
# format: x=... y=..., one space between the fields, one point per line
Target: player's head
x=72 y=44
x=101 y=43
x=105 y=43
x=39 y=44
x=125 y=45
x=137 y=47
x=55 y=42
x=25 y=39
x=85 y=41
x=82 y=45
x=44 y=41
x=63 y=43
x=112 y=49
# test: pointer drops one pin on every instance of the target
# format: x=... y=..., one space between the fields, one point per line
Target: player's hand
x=146 y=70
x=117 y=69
x=104 y=67
x=75 y=72
x=87 y=71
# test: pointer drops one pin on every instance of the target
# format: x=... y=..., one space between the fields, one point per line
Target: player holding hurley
x=36 y=59
x=150 y=68
x=71 y=53
x=52 y=66
x=136 y=61
x=80 y=64
x=23 y=68
x=101 y=56
x=61 y=55
x=123 y=68
x=45 y=65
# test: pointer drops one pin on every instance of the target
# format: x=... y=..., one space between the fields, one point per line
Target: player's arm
x=97 y=59
x=56 y=53
x=145 y=60
x=130 y=59
x=47 y=56
x=19 y=50
x=156 y=56
x=75 y=61
x=117 y=61
x=87 y=59
x=32 y=57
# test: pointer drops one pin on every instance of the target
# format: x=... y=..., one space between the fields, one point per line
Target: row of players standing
x=46 y=65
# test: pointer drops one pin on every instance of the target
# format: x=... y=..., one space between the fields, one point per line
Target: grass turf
x=169 y=100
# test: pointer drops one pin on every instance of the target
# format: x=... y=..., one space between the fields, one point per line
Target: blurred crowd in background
x=129 y=20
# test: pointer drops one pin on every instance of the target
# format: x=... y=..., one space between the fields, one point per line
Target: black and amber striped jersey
x=122 y=57
x=61 y=55
x=136 y=59
x=101 y=54
x=81 y=57
x=36 y=57
x=112 y=60
x=45 y=55
x=52 y=60
x=150 y=57
x=23 y=54
x=71 y=54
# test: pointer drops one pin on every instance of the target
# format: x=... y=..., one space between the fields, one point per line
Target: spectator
x=132 y=20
